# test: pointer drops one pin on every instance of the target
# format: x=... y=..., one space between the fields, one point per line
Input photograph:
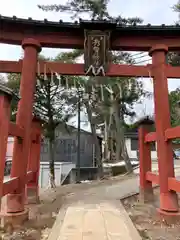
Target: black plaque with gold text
x=96 y=52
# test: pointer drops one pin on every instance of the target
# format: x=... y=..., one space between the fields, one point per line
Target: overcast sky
x=151 y=11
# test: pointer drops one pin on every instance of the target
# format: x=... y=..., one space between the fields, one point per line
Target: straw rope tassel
x=111 y=96
x=38 y=74
x=74 y=83
x=38 y=69
x=67 y=86
x=150 y=75
x=60 y=81
x=59 y=78
x=102 y=93
x=105 y=122
x=93 y=89
x=45 y=75
x=38 y=83
x=93 y=93
x=52 y=77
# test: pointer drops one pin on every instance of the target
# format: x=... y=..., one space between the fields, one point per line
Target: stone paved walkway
x=97 y=213
x=103 y=221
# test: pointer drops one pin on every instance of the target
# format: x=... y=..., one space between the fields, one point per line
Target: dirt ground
x=147 y=221
x=43 y=215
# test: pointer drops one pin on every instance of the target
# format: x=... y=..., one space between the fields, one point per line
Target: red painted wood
x=66 y=39
x=24 y=120
x=78 y=69
x=168 y=200
x=172 y=72
x=152 y=177
x=34 y=164
x=10 y=186
x=174 y=184
x=114 y=69
x=34 y=135
x=10 y=66
x=35 y=151
x=144 y=158
x=15 y=130
x=26 y=155
x=49 y=39
x=4 y=124
x=30 y=176
x=150 y=137
x=145 y=43
x=75 y=69
x=172 y=133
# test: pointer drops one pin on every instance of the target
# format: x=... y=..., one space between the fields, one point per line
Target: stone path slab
x=99 y=214
x=95 y=221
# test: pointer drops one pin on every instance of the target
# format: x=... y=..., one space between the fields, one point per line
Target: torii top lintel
x=71 y=35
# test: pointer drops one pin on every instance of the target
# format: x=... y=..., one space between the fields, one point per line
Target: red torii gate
x=33 y=35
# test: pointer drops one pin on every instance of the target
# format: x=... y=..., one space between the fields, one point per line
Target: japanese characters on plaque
x=96 y=52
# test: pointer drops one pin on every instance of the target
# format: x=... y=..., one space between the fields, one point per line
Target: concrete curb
x=55 y=231
x=133 y=232
x=134 y=193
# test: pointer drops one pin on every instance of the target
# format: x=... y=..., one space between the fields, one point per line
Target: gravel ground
x=43 y=215
x=147 y=221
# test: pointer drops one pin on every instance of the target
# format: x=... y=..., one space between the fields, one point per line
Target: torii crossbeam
x=78 y=69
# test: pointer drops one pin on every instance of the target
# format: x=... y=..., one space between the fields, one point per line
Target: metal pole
x=78 y=177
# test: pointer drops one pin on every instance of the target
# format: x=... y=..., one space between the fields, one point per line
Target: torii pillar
x=16 y=201
x=146 y=188
x=32 y=189
x=168 y=199
x=5 y=107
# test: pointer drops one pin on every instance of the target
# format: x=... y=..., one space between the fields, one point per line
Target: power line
x=136 y=54
x=147 y=60
x=140 y=57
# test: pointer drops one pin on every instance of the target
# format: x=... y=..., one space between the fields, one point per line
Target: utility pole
x=78 y=163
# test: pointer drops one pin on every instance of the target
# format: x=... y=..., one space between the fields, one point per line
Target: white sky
x=151 y=11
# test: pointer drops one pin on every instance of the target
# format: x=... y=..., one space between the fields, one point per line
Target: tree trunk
x=120 y=141
x=51 y=164
x=106 y=148
x=107 y=136
x=112 y=147
x=51 y=136
x=96 y=141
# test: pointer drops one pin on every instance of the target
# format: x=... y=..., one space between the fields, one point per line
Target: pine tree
x=96 y=9
x=174 y=57
x=119 y=103
x=50 y=104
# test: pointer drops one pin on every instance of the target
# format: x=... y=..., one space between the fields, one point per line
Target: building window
x=153 y=146
x=44 y=148
x=135 y=145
